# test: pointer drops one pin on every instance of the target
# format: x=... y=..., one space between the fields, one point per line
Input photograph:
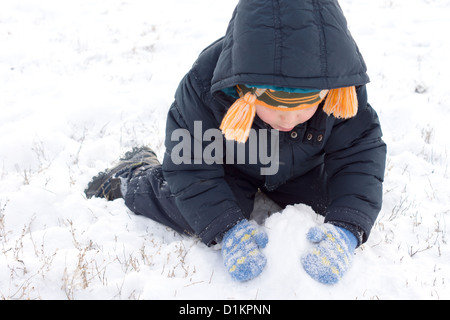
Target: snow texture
x=82 y=82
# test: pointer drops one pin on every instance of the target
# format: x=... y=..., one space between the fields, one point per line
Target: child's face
x=284 y=120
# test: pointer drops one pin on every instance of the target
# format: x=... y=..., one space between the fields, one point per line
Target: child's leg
x=148 y=194
x=309 y=189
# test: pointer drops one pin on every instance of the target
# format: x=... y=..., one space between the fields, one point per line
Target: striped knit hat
x=236 y=124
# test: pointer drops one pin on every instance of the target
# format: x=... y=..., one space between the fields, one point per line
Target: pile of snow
x=84 y=81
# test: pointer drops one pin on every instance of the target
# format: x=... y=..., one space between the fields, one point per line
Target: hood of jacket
x=289 y=43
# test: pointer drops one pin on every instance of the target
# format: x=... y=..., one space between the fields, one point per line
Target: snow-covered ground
x=81 y=82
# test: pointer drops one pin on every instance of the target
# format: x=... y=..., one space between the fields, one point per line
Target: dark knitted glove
x=330 y=259
x=240 y=251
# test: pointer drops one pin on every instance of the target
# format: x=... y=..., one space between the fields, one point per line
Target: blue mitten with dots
x=330 y=259
x=241 y=251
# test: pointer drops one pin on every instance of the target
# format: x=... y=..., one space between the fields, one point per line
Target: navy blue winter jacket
x=285 y=43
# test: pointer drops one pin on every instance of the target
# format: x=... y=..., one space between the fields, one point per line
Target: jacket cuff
x=214 y=232
x=356 y=231
x=352 y=220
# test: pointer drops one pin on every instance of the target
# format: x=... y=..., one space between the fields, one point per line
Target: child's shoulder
x=202 y=70
x=207 y=60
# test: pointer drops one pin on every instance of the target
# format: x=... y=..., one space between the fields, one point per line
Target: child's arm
x=201 y=192
x=355 y=163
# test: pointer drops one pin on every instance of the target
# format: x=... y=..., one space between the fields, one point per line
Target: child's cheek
x=267 y=115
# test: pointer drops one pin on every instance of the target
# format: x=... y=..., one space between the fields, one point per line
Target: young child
x=288 y=80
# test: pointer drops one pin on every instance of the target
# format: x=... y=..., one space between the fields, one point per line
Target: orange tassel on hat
x=238 y=121
x=341 y=102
